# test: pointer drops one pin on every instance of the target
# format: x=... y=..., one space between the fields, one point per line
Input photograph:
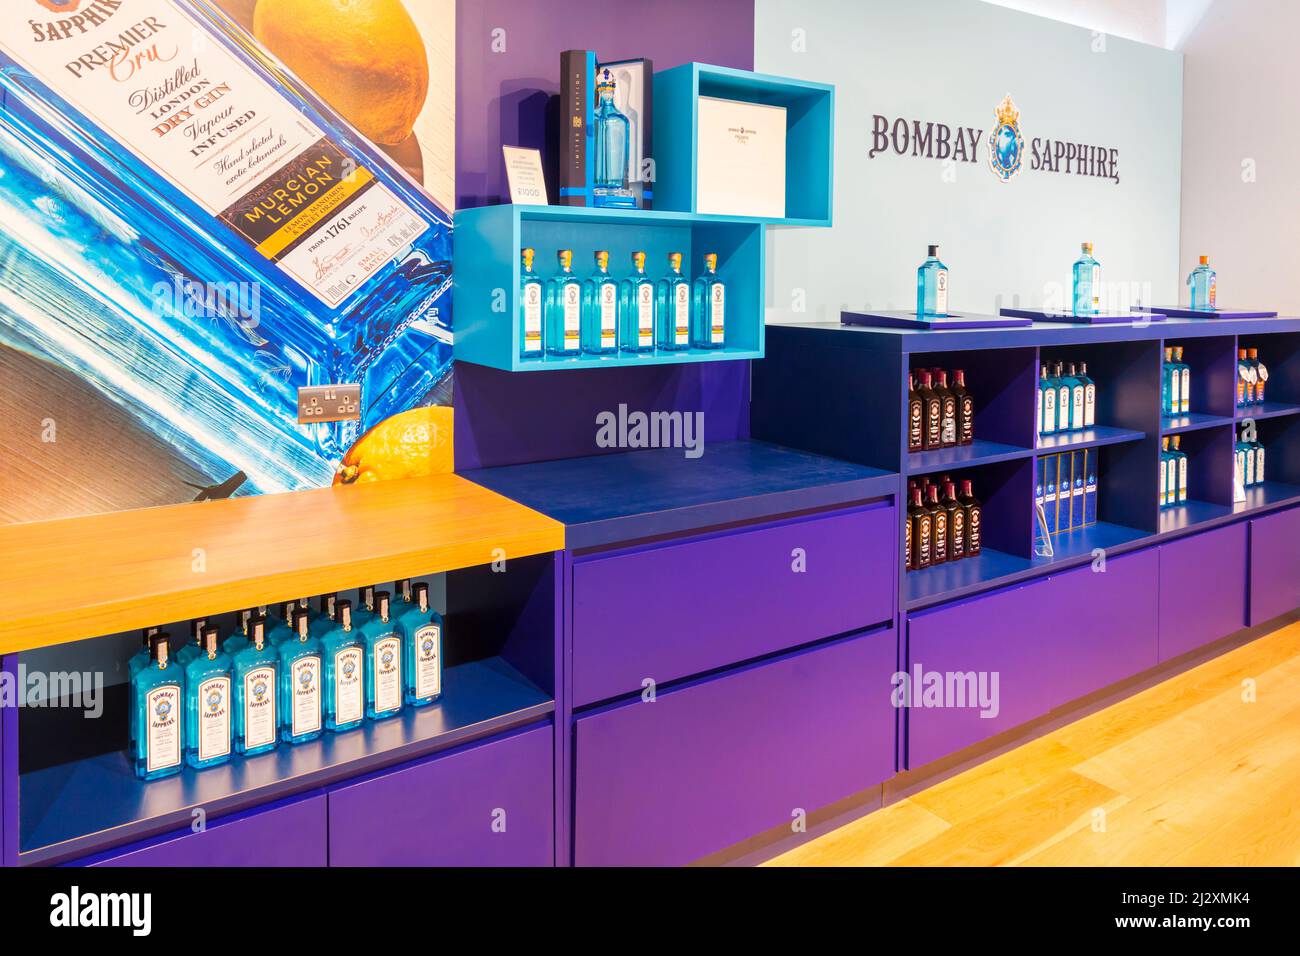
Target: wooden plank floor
x=1201 y=770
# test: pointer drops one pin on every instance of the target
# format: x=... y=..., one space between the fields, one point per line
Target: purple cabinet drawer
x=288 y=833
x=711 y=763
x=673 y=610
x=1039 y=645
x=1202 y=589
x=1274 y=565
x=485 y=804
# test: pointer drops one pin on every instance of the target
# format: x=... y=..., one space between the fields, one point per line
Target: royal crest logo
x=214 y=700
x=1006 y=145
x=60 y=6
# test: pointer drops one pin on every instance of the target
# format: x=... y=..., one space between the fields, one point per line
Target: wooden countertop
x=75 y=578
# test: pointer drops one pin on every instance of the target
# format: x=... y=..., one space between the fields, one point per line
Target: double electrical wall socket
x=329 y=403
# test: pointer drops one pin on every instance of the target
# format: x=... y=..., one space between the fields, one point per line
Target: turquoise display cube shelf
x=810 y=135
x=487 y=270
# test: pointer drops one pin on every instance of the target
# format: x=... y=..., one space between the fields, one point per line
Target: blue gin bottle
x=710 y=306
x=1046 y=404
x=1077 y=397
x=300 y=683
x=158 y=700
x=364 y=610
x=238 y=639
x=209 y=734
x=673 y=307
x=613 y=147
x=1063 y=399
x=1089 y=396
x=145 y=654
x=326 y=618
x=421 y=630
x=344 y=653
x=138 y=662
x=383 y=665
x=564 y=309
x=932 y=285
x=600 y=309
x=530 y=306
x=636 y=309
x=1203 y=286
x=256 y=671
x=1087 y=283
x=281 y=628
x=195 y=647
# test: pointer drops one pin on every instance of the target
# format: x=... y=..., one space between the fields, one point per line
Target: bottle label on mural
x=163 y=736
x=214 y=718
x=428 y=671
x=349 y=702
x=304 y=678
x=150 y=76
x=388 y=674
x=259 y=707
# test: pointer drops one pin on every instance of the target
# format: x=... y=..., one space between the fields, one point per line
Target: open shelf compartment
x=76 y=792
x=487 y=270
x=810 y=131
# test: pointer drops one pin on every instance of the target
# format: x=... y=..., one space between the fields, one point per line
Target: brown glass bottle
x=947 y=410
x=965 y=408
x=932 y=414
x=915 y=414
x=939 y=527
x=974 y=518
x=956 y=523
x=922 y=523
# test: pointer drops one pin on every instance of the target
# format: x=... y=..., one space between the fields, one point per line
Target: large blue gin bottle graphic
x=209 y=703
x=175 y=200
x=613 y=147
x=158 y=699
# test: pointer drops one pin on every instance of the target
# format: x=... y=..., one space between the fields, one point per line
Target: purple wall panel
x=505 y=418
x=750 y=601
x=501 y=95
x=1202 y=589
x=1049 y=642
x=1274 y=565
x=441 y=811
x=291 y=833
x=710 y=764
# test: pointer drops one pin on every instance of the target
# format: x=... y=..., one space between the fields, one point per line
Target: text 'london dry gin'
x=175 y=200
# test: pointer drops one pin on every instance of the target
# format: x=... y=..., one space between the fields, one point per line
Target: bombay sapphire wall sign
x=1006 y=145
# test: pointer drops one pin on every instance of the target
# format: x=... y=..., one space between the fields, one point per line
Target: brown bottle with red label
x=931 y=414
x=922 y=522
x=939 y=526
x=956 y=522
x=915 y=414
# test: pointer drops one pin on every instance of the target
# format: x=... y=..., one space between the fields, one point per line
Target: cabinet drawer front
x=712 y=763
x=1274 y=565
x=680 y=609
x=487 y=804
x=1045 y=643
x=1202 y=589
x=291 y=833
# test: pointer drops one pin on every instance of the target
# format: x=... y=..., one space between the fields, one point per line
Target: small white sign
x=524 y=172
x=741 y=161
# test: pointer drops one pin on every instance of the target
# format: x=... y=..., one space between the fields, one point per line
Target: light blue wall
x=952 y=61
